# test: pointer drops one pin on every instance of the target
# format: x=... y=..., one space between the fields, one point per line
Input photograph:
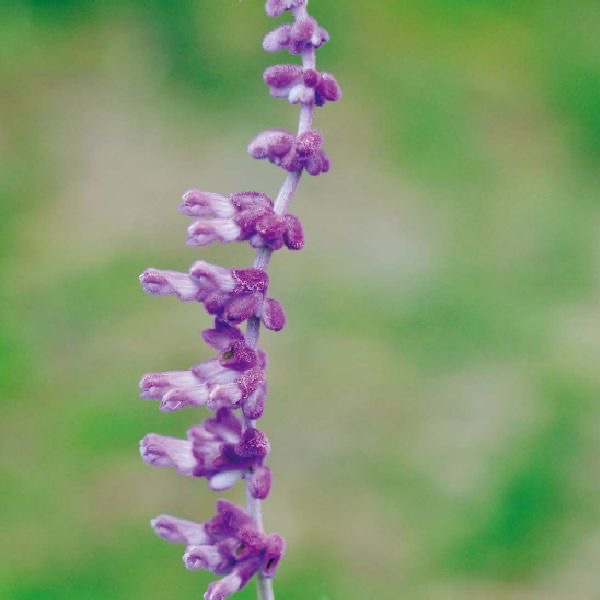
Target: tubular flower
x=291 y=153
x=300 y=85
x=219 y=449
x=228 y=447
x=302 y=36
x=228 y=545
x=232 y=295
x=228 y=380
x=239 y=217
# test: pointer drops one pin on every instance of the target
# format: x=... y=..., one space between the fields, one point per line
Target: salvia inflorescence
x=227 y=446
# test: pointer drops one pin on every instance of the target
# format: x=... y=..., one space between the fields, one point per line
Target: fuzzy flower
x=232 y=379
x=238 y=217
x=218 y=449
x=232 y=295
x=301 y=36
x=284 y=149
x=275 y=8
x=229 y=545
x=301 y=85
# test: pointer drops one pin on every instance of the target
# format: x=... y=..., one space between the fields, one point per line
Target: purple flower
x=173 y=529
x=219 y=449
x=301 y=36
x=229 y=545
x=300 y=85
x=227 y=380
x=238 y=217
x=302 y=152
x=232 y=295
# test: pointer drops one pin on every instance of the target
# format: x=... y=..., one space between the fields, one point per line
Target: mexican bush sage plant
x=227 y=446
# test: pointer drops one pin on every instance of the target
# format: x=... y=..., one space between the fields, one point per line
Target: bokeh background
x=433 y=403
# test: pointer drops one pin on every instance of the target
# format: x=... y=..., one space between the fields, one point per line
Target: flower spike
x=227 y=447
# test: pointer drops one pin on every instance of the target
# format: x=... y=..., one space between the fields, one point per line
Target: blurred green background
x=433 y=401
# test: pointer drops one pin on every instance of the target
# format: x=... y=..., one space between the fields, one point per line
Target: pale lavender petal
x=197 y=203
x=178 y=398
x=227 y=395
x=231 y=394
x=223 y=588
x=164 y=451
x=223 y=481
x=204 y=557
x=169 y=283
x=301 y=94
x=205 y=232
x=225 y=425
x=173 y=529
x=155 y=385
x=278 y=39
x=211 y=277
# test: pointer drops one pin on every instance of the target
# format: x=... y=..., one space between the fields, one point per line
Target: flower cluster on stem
x=228 y=447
